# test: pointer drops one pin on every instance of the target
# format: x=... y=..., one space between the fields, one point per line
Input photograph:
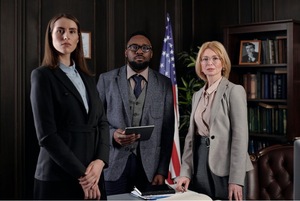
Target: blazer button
x=127 y=149
x=66 y=93
x=212 y=137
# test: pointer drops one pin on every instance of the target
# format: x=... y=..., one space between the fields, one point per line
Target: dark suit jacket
x=245 y=58
x=69 y=138
x=158 y=110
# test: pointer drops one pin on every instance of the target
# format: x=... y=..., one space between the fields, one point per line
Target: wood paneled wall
x=22 y=31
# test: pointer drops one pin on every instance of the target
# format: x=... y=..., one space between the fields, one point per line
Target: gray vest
x=136 y=106
x=136 y=109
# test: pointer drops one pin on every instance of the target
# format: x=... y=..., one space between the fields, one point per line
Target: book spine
x=276 y=54
x=270 y=85
x=284 y=86
x=274 y=88
x=271 y=51
x=253 y=87
x=265 y=52
x=266 y=86
x=279 y=86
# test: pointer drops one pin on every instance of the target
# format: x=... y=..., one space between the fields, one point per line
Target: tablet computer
x=144 y=131
x=149 y=189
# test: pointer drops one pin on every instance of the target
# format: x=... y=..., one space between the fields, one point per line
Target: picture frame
x=250 y=52
x=86 y=43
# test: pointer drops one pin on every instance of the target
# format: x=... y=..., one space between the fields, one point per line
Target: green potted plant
x=190 y=83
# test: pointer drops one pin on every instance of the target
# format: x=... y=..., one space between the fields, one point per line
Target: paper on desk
x=189 y=195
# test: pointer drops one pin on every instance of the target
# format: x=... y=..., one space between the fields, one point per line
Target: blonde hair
x=219 y=49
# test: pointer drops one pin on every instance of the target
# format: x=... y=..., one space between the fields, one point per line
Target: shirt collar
x=214 y=86
x=131 y=72
x=67 y=69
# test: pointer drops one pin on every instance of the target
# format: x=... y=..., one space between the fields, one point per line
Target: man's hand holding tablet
x=144 y=131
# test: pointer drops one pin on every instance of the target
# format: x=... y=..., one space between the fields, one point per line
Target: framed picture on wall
x=86 y=42
x=250 y=51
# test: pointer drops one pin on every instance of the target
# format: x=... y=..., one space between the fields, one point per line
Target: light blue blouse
x=74 y=76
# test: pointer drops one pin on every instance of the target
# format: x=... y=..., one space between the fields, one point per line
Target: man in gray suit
x=133 y=161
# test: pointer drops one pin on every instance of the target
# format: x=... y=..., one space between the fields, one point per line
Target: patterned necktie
x=138 y=87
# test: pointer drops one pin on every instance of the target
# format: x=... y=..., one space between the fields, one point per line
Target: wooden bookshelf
x=284 y=39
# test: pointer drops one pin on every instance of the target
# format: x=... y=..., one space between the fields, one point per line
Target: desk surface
x=125 y=196
x=189 y=195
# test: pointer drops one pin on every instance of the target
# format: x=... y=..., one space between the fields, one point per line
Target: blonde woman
x=215 y=158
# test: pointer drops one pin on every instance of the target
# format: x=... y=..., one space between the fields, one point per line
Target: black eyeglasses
x=135 y=48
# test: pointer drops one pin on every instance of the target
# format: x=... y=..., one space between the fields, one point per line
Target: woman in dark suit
x=215 y=158
x=70 y=121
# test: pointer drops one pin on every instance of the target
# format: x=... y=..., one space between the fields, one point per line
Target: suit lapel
x=63 y=78
x=90 y=93
x=122 y=83
x=151 y=88
x=218 y=97
x=151 y=94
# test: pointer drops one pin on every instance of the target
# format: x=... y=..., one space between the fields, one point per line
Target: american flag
x=167 y=68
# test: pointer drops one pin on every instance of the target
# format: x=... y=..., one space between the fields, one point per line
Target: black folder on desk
x=154 y=189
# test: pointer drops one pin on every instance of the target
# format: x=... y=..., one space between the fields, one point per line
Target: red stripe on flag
x=169 y=179
x=175 y=101
x=175 y=160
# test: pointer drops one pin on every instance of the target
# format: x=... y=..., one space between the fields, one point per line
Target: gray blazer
x=228 y=134
x=158 y=110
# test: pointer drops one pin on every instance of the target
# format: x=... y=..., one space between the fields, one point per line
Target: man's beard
x=138 y=66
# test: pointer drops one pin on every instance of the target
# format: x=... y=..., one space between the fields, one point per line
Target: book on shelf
x=282 y=118
x=282 y=47
x=265 y=85
x=250 y=85
x=272 y=118
x=253 y=119
x=284 y=86
x=274 y=50
x=276 y=79
x=271 y=51
x=267 y=118
x=274 y=86
x=265 y=52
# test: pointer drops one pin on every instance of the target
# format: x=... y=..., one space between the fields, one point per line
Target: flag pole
x=167 y=68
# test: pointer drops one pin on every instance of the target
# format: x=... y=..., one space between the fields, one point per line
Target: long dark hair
x=51 y=57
